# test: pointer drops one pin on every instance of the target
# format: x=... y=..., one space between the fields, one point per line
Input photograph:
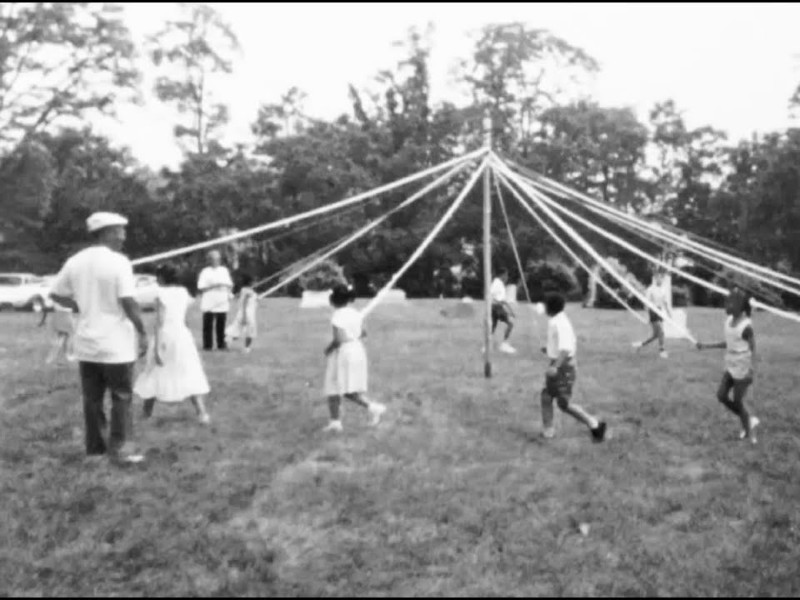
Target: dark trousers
x=209 y=320
x=96 y=378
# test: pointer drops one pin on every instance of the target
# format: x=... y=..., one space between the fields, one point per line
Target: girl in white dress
x=346 y=373
x=173 y=371
x=244 y=325
x=62 y=327
x=740 y=346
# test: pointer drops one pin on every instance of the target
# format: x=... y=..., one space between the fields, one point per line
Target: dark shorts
x=500 y=313
x=655 y=318
x=560 y=386
x=729 y=382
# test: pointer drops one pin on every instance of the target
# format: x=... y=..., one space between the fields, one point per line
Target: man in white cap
x=98 y=284
x=215 y=285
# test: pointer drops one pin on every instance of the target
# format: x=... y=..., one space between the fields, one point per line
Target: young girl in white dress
x=173 y=371
x=245 y=325
x=62 y=327
x=346 y=373
x=740 y=346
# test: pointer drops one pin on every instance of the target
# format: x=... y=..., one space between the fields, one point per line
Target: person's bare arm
x=66 y=302
x=134 y=314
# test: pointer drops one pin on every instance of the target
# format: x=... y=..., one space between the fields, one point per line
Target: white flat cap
x=101 y=220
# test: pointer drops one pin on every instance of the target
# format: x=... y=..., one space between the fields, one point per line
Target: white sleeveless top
x=738 y=357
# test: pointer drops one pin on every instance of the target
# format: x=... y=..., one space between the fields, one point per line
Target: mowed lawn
x=453 y=494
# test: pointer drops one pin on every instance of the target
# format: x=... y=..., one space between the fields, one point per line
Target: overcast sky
x=732 y=66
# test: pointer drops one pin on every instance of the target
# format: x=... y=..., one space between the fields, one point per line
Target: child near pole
x=346 y=373
x=244 y=325
x=657 y=296
x=560 y=378
x=740 y=347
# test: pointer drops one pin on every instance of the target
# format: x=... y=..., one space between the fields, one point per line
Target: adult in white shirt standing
x=98 y=285
x=501 y=310
x=658 y=297
x=215 y=286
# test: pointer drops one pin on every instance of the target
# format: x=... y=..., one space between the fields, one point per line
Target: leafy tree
x=60 y=61
x=195 y=49
x=515 y=72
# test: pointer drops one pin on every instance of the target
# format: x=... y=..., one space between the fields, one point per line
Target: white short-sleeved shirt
x=560 y=337
x=97 y=279
x=498 y=291
x=219 y=300
x=658 y=296
x=350 y=321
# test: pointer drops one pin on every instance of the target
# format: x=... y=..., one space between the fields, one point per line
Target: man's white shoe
x=636 y=345
x=334 y=426
x=205 y=419
x=549 y=433
x=506 y=348
x=376 y=411
x=663 y=354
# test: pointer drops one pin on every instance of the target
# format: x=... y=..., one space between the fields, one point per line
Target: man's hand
x=158 y=359
x=552 y=371
x=142 y=345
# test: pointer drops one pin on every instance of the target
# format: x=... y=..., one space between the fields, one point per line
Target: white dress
x=738 y=356
x=181 y=374
x=346 y=372
x=238 y=328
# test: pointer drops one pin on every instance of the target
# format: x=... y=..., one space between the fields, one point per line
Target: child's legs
x=248 y=341
x=55 y=349
x=740 y=387
x=199 y=405
x=654 y=326
x=509 y=326
x=564 y=382
x=547 y=407
x=149 y=404
x=659 y=330
x=723 y=393
x=334 y=404
x=358 y=398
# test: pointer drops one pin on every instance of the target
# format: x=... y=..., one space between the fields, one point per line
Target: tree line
x=61 y=63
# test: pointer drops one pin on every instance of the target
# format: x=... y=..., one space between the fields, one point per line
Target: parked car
x=146 y=290
x=25 y=291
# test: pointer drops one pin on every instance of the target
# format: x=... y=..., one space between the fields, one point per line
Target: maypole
x=487 y=255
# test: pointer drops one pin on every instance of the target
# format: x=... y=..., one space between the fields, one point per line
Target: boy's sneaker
x=599 y=432
x=376 y=411
x=205 y=419
x=334 y=427
x=754 y=422
x=507 y=348
x=549 y=433
x=663 y=354
x=637 y=345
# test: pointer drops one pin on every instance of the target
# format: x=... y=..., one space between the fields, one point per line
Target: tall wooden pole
x=487 y=256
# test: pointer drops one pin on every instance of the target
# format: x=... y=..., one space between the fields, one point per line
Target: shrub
x=323 y=277
x=606 y=300
x=766 y=294
x=547 y=277
x=681 y=296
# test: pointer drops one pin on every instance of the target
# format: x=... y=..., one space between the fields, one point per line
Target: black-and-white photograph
x=399 y=299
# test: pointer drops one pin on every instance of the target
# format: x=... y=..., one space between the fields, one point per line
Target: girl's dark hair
x=168 y=275
x=246 y=279
x=554 y=304
x=341 y=296
x=746 y=299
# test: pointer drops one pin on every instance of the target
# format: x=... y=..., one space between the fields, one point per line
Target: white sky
x=733 y=66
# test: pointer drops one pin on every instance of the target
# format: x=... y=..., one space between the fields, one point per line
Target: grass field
x=454 y=494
